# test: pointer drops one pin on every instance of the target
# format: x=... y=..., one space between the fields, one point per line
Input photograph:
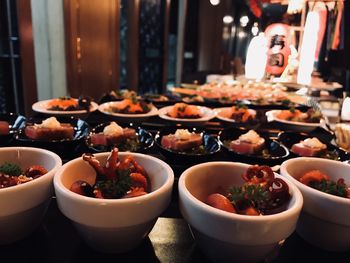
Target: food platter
x=42 y=107
x=207 y=114
x=293 y=125
x=55 y=228
x=224 y=114
x=106 y=108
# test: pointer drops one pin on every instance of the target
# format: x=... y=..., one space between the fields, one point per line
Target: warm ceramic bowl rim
x=203 y=206
x=21 y=187
x=167 y=184
x=309 y=189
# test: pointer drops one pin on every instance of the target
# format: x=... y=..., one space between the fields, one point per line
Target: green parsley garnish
x=286 y=102
x=10 y=169
x=241 y=105
x=249 y=195
x=115 y=188
x=330 y=187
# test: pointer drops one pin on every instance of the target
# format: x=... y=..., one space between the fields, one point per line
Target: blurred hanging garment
x=336 y=37
x=322 y=13
x=342 y=30
x=308 y=48
x=323 y=64
x=256 y=58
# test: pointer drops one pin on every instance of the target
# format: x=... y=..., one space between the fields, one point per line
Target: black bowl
x=272 y=154
x=145 y=139
x=333 y=152
x=16 y=122
x=210 y=143
x=65 y=147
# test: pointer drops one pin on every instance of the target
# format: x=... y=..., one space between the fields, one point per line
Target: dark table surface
x=56 y=240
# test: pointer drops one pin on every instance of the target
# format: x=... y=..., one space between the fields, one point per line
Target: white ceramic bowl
x=227 y=237
x=325 y=218
x=114 y=225
x=22 y=207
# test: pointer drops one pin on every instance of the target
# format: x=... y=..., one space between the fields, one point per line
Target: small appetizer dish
x=118 y=95
x=65 y=106
x=238 y=211
x=129 y=109
x=188 y=145
x=10 y=123
x=252 y=147
x=185 y=113
x=105 y=136
x=324 y=185
x=114 y=199
x=53 y=133
x=26 y=176
x=342 y=136
x=193 y=99
x=237 y=114
x=294 y=119
x=306 y=145
x=156 y=97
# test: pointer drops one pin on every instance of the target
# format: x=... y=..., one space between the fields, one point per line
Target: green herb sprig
x=11 y=169
x=330 y=187
x=115 y=188
x=249 y=195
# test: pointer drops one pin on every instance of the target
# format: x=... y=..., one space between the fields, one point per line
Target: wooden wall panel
x=92 y=46
x=27 y=54
x=166 y=45
x=133 y=17
x=210 y=35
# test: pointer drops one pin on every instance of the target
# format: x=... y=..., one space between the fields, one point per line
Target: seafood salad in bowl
x=325 y=186
x=249 y=209
x=26 y=176
x=114 y=199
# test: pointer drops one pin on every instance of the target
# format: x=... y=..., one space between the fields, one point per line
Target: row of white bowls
x=120 y=225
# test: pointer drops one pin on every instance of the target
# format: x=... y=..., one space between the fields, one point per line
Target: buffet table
x=56 y=240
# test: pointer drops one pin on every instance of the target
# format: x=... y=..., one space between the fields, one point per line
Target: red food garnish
x=35 y=171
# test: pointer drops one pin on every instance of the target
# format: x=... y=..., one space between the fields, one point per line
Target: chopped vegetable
x=116 y=179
